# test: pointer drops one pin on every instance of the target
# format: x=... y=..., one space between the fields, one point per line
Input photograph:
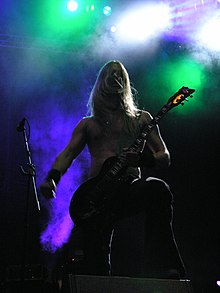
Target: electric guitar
x=92 y=197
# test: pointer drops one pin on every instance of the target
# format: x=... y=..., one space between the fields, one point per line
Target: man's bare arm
x=159 y=156
x=64 y=159
x=76 y=144
x=158 y=148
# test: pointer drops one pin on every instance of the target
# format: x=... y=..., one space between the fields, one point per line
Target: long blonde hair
x=113 y=79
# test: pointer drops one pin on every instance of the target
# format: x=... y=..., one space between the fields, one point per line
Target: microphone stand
x=31 y=178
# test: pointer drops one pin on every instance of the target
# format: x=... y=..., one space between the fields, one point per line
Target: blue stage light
x=107 y=10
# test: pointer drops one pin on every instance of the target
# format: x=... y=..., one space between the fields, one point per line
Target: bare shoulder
x=84 y=123
x=88 y=125
x=145 y=117
x=86 y=120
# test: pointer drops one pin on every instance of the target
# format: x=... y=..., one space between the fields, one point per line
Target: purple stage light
x=51 y=131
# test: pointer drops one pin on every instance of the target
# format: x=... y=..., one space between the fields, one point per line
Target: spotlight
x=107 y=10
x=113 y=29
x=209 y=34
x=143 y=22
x=72 y=5
x=90 y=8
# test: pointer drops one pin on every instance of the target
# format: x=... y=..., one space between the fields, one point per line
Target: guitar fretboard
x=119 y=166
x=113 y=173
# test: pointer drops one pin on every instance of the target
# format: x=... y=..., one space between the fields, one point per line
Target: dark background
x=35 y=83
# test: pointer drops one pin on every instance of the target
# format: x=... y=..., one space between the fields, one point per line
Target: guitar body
x=82 y=206
x=92 y=199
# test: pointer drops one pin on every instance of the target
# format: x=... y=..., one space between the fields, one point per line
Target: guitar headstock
x=180 y=96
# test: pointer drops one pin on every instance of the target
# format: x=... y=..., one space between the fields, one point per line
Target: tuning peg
x=186 y=99
x=191 y=96
x=182 y=103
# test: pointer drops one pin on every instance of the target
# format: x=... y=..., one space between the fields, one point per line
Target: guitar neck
x=147 y=130
x=113 y=172
x=116 y=169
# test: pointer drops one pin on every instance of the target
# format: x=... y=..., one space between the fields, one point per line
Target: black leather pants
x=161 y=256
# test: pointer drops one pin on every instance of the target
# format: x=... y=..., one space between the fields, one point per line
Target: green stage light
x=170 y=75
x=90 y=8
x=59 y=22
x=72 y=6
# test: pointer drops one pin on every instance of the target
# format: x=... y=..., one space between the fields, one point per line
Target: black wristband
x=54 y=174
x=147 y=160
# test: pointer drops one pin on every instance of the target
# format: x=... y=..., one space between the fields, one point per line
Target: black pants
x=161 y=256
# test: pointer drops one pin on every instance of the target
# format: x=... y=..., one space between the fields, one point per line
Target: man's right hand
x=48 y=189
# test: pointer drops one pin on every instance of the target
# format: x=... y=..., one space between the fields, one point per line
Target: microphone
x=116 y=78
x=20 y=126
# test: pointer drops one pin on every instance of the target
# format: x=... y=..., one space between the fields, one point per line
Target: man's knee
x=160 y=190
